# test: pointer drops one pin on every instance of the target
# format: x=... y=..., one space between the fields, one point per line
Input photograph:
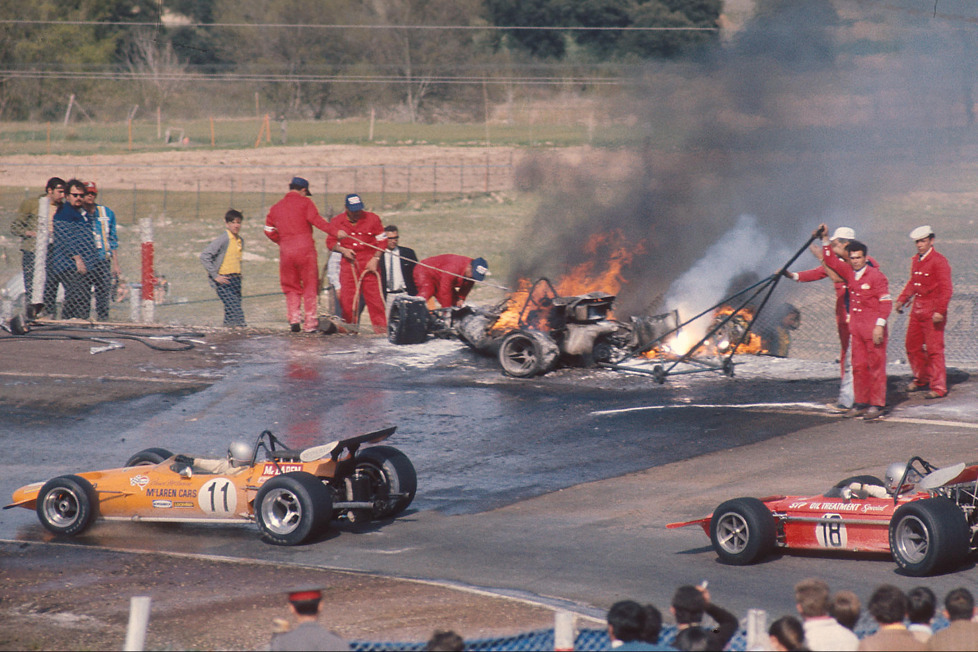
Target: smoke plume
x=807 y=114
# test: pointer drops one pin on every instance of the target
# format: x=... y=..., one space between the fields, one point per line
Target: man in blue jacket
x=73 y=253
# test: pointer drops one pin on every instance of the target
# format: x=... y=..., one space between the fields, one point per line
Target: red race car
x=924 y=516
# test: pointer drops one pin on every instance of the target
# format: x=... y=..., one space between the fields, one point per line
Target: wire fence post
x=231 y=199
x=408 y=200
x=148 y=276
x=164 y=198
x=461 y=178
x=261 y=209
x=383 y=185
x=434 y=180
x=198 y=199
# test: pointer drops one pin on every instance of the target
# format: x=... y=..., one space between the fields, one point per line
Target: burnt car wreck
x=535 y=330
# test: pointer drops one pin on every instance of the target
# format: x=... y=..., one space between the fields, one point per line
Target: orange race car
x=292 y=495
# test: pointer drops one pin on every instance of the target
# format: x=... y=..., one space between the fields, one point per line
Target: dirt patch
x=67 y=597
x=57 y=367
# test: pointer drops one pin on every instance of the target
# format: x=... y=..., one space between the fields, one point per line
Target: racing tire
x=524 y=354
x=742 y=531
x=407 y=322
x=836 y=490
x=66 y=505
x=392 y=479
x=149 y=457
x=292 y=507
x=929 y=536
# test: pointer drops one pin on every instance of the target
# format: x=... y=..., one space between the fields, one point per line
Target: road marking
x=797 y=404
x=187 y=381
x=738 y=406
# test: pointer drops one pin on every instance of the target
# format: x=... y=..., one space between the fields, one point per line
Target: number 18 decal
x=218 y=496
x=831 y=533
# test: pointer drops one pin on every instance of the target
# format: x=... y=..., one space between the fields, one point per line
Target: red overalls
x=930 y=288
x=367 y=231
x=289 y=223
x=445 y=282
x=869 y=301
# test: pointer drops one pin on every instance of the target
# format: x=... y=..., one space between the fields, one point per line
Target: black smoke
x=810 y=113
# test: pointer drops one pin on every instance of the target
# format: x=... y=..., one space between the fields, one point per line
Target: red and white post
x=148 y=276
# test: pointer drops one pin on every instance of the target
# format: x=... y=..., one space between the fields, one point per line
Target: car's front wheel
x=526 y=353
x=928 y=536
x=66 y=505
x=743 y=531
x=292 y=507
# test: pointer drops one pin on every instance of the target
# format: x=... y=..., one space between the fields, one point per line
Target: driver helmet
x=894 y=473
x=239 y=453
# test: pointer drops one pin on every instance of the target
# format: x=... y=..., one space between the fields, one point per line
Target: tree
x=531 y=13
x=160 y=72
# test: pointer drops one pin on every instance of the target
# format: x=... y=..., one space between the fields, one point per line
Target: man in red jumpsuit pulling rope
x=870 y=304
x=289 y=224
x=930 y=288
x=449 y=277
x=361 y=247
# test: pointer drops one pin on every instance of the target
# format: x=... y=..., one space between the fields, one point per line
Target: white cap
x=844 y=233
x=921 y=232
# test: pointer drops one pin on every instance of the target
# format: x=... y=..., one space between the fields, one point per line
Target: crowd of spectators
x=904 y=621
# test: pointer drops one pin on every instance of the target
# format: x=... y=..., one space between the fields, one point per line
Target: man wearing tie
x=397 y=268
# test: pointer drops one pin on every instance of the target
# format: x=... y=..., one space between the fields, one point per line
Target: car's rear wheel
x=292 y=507
x=66 y=505
x=929 y=536
x=149 y=456
x=391 y=478
x=524 y=354
x=742 y=531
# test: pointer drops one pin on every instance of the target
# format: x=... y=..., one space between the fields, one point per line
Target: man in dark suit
x=397 y=267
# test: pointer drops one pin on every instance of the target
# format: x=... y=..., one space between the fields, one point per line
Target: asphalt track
x=557 y=489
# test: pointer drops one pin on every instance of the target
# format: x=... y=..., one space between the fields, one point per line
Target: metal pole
x=434 y=180
x=383 y=185
x=198 y=199
x=138 y=622
x=148 y=277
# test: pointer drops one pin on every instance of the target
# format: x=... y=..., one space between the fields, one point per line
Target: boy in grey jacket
x=222 y=260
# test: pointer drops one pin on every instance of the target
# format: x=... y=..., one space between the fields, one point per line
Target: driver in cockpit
x=892 y=483
x=238 y=458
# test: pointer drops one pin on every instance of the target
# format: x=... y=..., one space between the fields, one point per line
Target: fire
x=585 y=278
x=532 y=309
x=719 y=343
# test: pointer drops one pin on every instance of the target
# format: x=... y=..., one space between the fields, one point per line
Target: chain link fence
x=185 y=221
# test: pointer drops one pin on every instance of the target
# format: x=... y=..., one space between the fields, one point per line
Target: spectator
x=921 y=607
x=222 y=260
x=845 y=608
x=289 y=224
x=445 y=641
x=397 y=266
x=361 y=245
x=962 y=633
x=695 y=639
x=689 y=603
x=25 y=226
x=888 y=605
x=627 y=622
x=930 y=288
x=449 y=278
x=73 y=254
x=822 y=632
x=787 y=634
x=869 y=308
x=308 y=634
x=103 y=223
x=653 y=624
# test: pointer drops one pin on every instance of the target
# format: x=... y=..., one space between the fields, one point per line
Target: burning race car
x=533 y=330
x=924 y=516
x=292 y=495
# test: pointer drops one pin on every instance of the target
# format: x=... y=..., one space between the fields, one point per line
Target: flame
x=582 y=279
x=682 y=342
x=585 y=278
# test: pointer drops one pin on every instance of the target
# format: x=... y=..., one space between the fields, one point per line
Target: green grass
x=112 y=138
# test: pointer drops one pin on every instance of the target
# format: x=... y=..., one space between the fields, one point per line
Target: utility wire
x=547 y=28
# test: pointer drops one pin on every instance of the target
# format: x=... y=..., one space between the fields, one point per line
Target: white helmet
x=894 y=473
x=239 y=453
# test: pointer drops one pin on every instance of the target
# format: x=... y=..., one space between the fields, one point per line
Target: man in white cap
x=930 y=288
x=840 y=238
